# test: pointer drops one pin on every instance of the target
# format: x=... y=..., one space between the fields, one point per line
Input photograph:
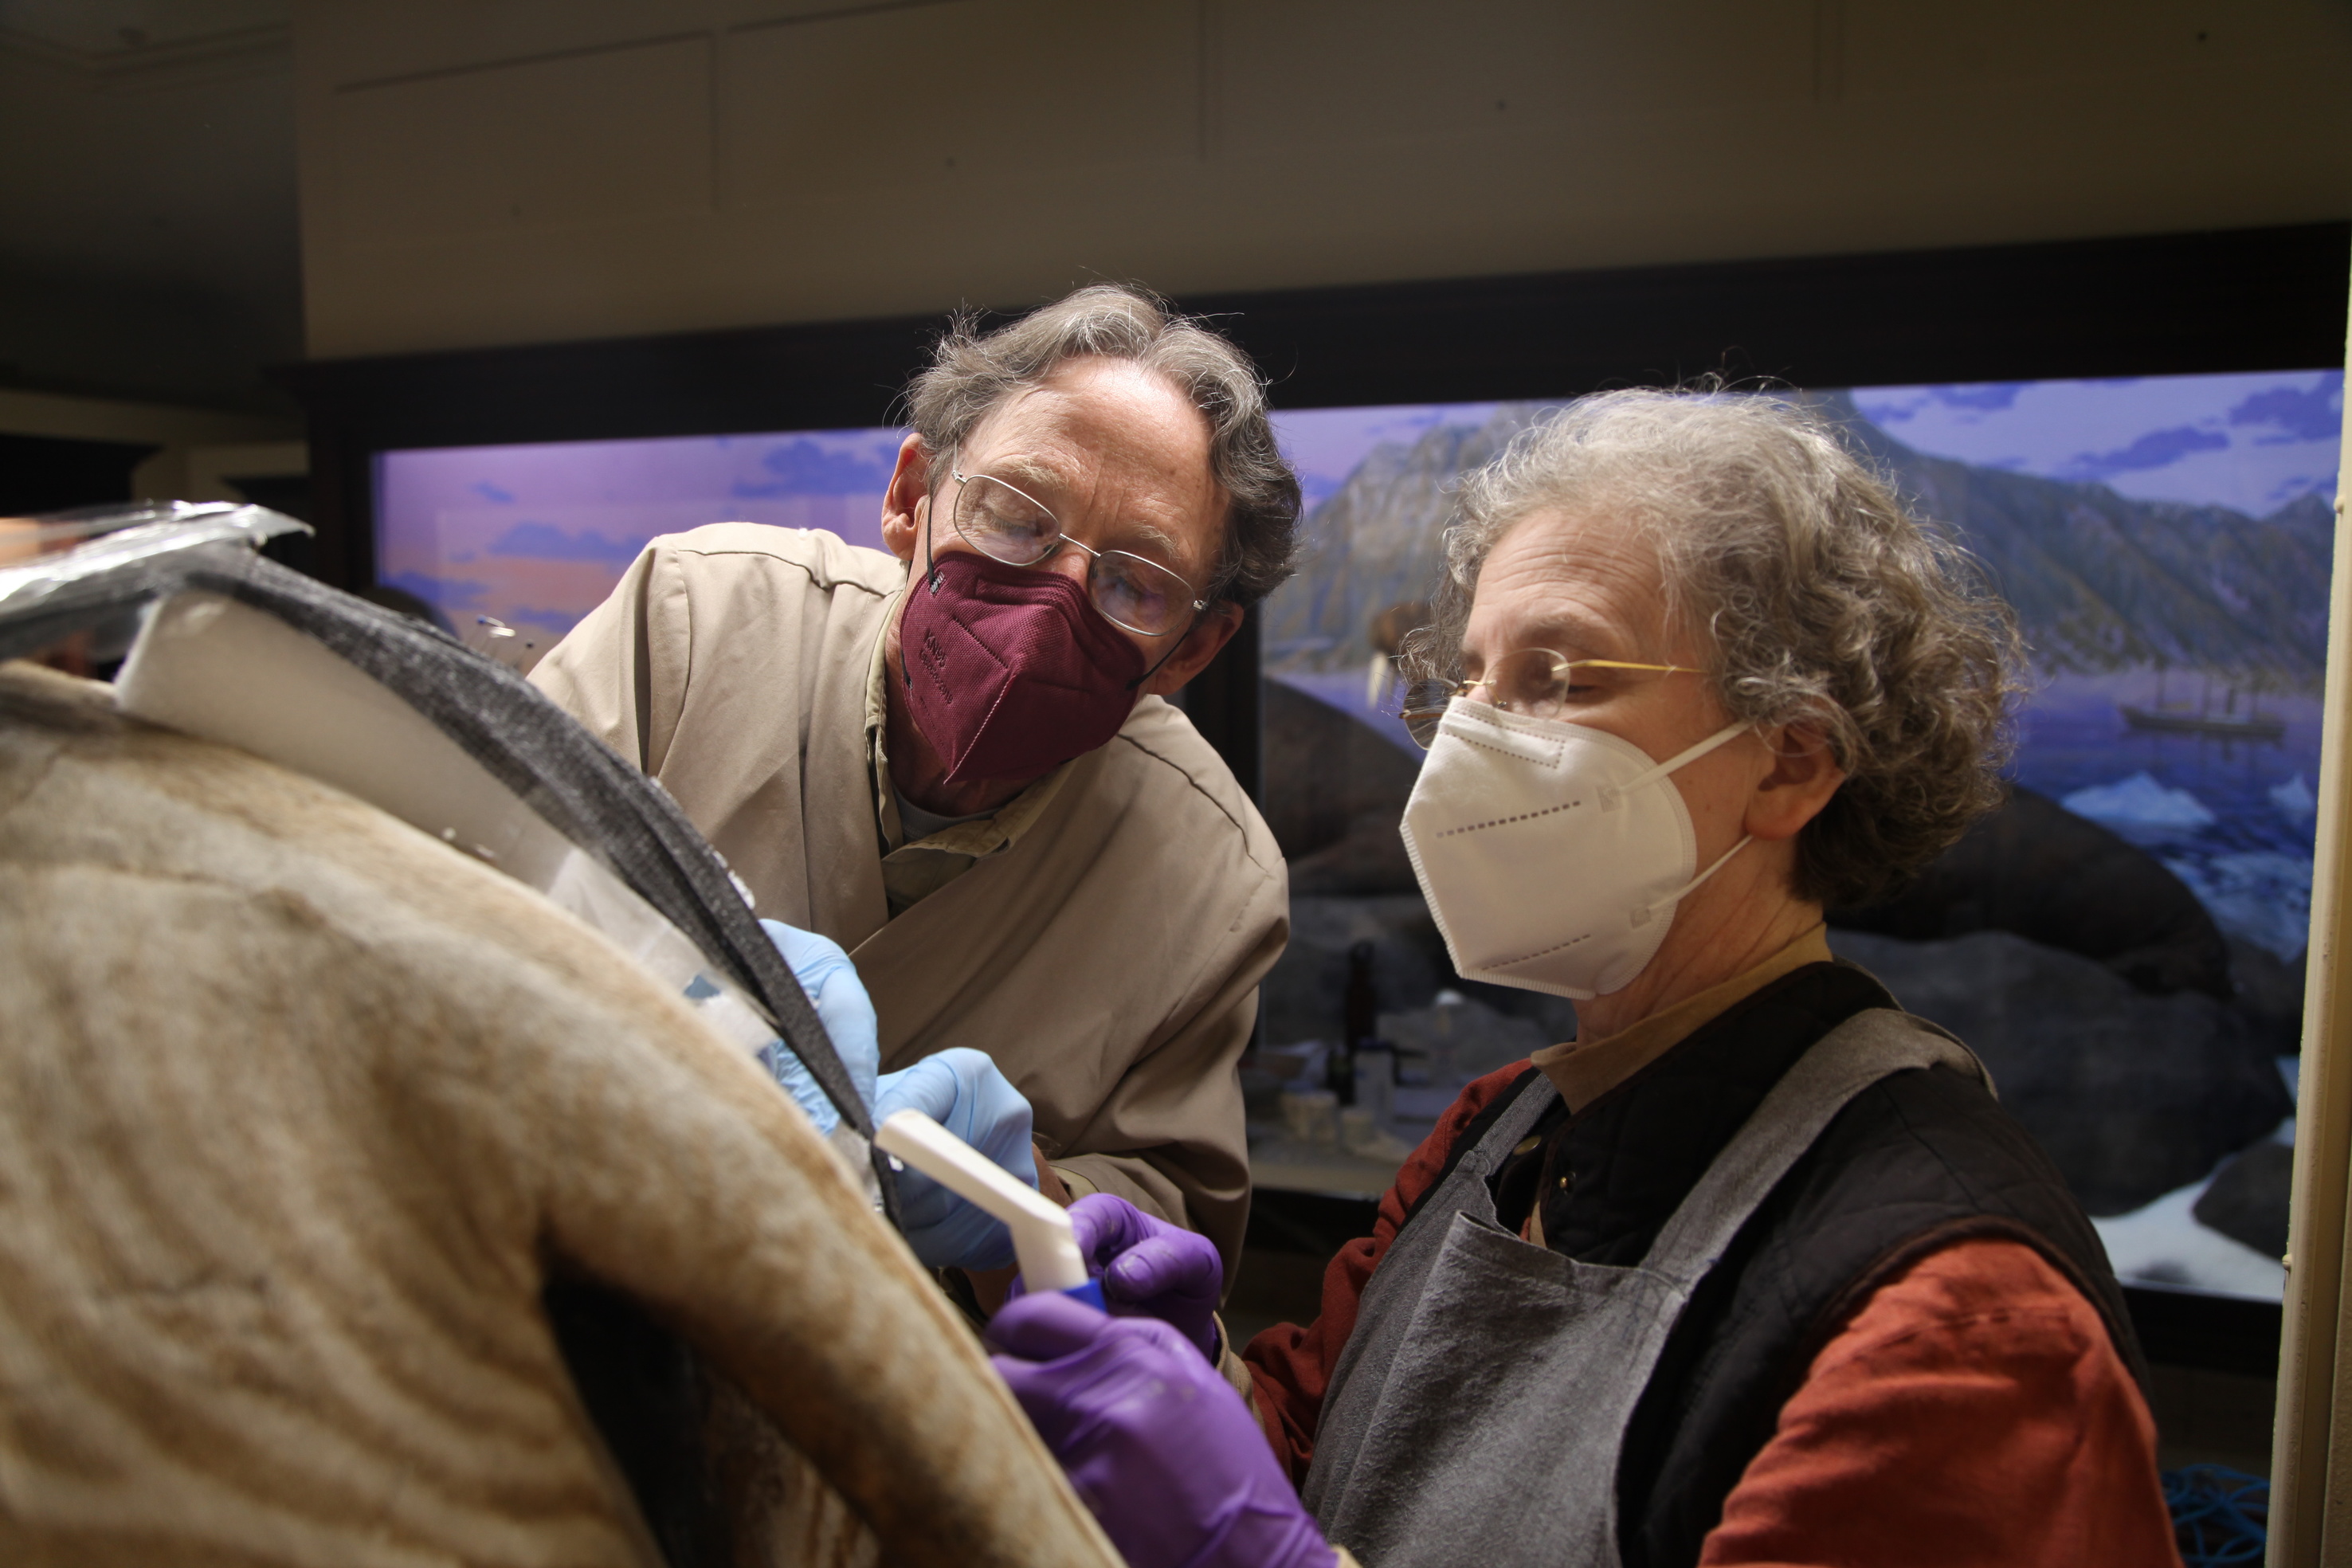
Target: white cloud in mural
x=2250 y=442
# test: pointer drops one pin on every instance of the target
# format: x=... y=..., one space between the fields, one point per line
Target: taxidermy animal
x=300 y=1109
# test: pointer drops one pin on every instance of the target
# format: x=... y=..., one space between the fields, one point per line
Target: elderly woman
x=1754 y=1271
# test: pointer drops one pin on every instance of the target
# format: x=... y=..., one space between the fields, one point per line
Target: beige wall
x=482 y=172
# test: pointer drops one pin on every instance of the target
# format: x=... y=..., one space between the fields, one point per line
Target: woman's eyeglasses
x=1535 y=683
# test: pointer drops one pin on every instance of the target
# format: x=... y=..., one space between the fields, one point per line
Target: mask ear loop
x=931 y=575
x=1643 y=914
x=1164 y=657
x=930 y=557
x=1614 y=793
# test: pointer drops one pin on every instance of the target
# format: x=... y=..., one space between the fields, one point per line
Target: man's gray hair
x=970 y=374
x=1820 y=599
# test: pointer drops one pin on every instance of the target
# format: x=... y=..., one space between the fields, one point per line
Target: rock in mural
x=2037 y=869
x=2132 y=1095
x=2247 y=1201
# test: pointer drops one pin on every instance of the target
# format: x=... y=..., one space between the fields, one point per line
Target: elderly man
x=956 y=761
x=1756 y=1269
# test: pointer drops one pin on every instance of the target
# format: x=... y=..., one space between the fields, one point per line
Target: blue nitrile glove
x=1159 y=1445
x=842 y=1006
x=1149 y=1267
x=962 y=1092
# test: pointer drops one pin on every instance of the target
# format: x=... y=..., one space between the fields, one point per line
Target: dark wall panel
x=42 y=473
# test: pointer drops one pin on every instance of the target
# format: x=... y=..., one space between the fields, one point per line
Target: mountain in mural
x=1377 y=541
x=2100 y=582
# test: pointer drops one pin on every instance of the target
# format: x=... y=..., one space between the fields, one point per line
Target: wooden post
x=2311 y=1453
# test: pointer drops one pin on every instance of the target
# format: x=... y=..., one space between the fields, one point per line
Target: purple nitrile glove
x=1150 y=1268
x=1159 y=1446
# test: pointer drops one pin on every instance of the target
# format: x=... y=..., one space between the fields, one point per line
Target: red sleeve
x=1973 y=1412
x=1289 y=1366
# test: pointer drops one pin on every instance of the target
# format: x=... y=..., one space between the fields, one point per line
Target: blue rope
x=2218 y=1515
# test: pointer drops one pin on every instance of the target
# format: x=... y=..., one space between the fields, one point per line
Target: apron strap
x=1517 y=1119
x=1874 y=1044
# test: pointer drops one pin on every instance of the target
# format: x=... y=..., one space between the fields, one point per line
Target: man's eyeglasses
x=1007 y=525
x=1535 y=683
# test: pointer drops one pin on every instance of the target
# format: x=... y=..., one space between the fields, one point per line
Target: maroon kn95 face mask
x=1010 y=671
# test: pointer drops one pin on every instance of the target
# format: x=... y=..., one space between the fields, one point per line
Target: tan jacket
x=1108 y=957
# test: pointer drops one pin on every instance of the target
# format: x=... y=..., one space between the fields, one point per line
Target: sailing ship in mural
x=2229 y=724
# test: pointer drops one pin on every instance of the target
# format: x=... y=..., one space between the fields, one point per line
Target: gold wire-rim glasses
x=1098 y=588
x=1425 y=701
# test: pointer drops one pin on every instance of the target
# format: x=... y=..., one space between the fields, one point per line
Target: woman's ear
x=903 y=504
x=1211 y=631
x=1803 y=776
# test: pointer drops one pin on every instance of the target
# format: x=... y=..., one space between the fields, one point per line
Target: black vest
x=1920 y=1159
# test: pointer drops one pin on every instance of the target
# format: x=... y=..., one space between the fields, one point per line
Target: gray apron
x=1478 y=1409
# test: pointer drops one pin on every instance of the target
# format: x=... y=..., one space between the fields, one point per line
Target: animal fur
x=298 y=1107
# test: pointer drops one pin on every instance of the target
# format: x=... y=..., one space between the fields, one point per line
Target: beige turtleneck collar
x=1584 y=1072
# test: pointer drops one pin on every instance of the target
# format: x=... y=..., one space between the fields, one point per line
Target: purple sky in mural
x=2251 y=443
x=537 y=535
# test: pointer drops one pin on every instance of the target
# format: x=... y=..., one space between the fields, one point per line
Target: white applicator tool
x=1042 y=1238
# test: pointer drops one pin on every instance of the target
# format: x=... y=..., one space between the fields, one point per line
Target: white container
x=1312 y=1115
x=1376 y=1082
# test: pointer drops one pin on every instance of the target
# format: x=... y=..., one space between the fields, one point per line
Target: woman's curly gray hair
x=1820 y=597
x=970 y=374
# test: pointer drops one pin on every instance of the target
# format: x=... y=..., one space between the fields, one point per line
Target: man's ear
x=1803 y=776
x=903 y=506
x=1211 y=631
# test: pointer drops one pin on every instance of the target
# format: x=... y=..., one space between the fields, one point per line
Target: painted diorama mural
x=2121 y=943
x=513 y=544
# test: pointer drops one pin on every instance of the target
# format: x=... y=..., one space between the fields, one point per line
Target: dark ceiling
x=148 y=242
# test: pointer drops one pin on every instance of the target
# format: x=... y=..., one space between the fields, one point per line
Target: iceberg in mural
x=2139 y=801
x=2294 y=800
x=2261 y=895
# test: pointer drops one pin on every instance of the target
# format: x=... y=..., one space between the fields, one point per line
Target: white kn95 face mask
x=1552 y=854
